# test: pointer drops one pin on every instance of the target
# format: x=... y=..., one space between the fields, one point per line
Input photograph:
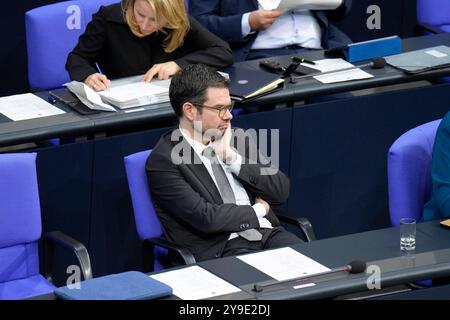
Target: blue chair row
x=20 y=230
x=409 y=184
x=409 y=177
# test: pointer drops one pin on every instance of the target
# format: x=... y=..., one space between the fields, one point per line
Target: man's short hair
x=191 y=84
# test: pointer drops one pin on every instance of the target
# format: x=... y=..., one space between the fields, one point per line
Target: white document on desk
x=283 y=264
x=133 y=91
x=27 y=106
x=194 y=283
x=326 y=65
x=137 y=93
x=88 y=97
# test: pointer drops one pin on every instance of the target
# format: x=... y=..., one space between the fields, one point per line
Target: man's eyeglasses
x=222 y=109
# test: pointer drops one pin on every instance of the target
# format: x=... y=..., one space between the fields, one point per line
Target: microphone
x=355 y=266
x=376 y=63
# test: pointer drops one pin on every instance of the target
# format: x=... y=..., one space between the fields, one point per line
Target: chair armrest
x=184 y=253
x=301 y=222
x=68 y=243
x=430 y=28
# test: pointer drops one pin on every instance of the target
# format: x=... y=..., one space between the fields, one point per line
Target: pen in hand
x=302 y=60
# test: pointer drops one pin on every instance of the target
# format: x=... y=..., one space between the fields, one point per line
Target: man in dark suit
x=212 y=189
x=254 y=29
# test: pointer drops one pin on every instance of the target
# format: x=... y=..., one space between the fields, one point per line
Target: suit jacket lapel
x=199 y=175
x=322 y=18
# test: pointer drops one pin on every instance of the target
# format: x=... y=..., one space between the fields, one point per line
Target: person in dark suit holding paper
x=256 y=29
x=212 y=189
x=150 y=37
x=438 y=207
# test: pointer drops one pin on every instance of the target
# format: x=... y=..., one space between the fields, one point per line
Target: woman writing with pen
x=151 y=37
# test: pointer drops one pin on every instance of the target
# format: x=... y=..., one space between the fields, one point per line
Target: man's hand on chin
x=223 y=148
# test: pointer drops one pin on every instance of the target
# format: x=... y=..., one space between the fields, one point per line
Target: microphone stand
x=260 y=287
x=356 y=266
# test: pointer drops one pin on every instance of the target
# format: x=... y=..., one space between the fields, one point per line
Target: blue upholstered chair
x=434 y=15
x=409 y=176
x=20 y=230
x=147 y=222
x=52 y=31
x=409 y=172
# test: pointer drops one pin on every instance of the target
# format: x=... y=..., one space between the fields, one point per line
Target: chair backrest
x=147 y=221
x=409 y=172
x=52 y=31
x=20 y=216
x=434 y=12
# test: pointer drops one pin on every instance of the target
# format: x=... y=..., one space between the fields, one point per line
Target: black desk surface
x=379 y=247
x=74 y=124
x=387 y=76
x=431 y=293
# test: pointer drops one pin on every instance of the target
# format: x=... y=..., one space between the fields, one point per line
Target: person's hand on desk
x=262 y=19
x=97 y=82
x=163 y=70
x=265 y=204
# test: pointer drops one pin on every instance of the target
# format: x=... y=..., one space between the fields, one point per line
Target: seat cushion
x=25 y=288
x=19 y=262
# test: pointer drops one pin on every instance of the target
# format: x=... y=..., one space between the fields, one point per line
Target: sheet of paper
x=94 y=97
x=194 y=283
x=27 y=106
x=134 y=91
x=283 y=264
x=88 y=97
x=326 y=65
x=135 y=79
x=269 y=4
x=309 y=4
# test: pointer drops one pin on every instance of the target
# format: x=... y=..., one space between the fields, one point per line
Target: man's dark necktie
x=227 y=192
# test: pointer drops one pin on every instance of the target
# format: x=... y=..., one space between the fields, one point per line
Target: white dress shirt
x=231 y=171
x=295 y=27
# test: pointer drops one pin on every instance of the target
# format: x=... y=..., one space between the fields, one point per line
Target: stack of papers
x=122 y=94
x=137 y=94
x=88 y=97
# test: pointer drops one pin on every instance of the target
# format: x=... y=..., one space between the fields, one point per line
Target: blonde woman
x=152 y=37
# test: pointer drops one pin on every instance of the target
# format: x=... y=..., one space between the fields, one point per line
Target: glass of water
x=407 y=234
